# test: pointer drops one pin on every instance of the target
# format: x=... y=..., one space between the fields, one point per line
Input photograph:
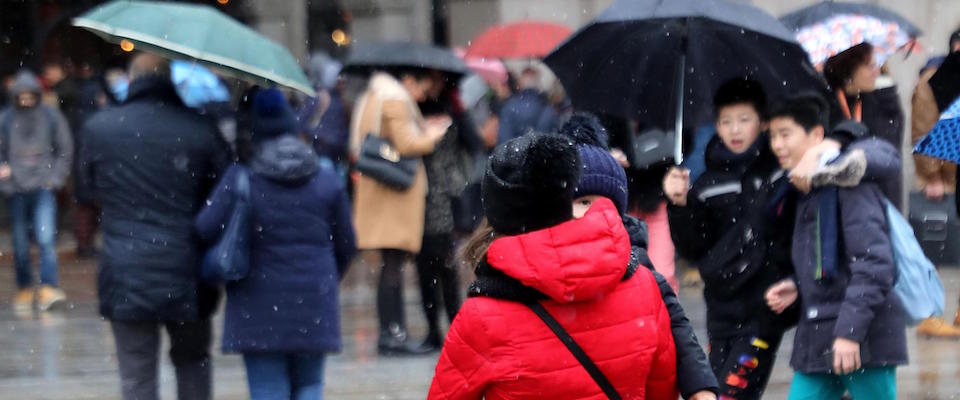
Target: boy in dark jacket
x=844 y=274
x=739 y=249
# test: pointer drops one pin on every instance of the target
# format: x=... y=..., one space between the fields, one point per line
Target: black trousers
x=138 y=345
x=743 y=365
x=439 y=280
x=393 y=323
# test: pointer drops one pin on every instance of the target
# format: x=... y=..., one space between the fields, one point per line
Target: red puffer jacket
x=499 y=349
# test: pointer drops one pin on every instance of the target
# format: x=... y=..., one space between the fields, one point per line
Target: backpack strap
x=576 y=350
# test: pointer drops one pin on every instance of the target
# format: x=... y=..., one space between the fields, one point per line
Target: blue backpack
x=918 y=285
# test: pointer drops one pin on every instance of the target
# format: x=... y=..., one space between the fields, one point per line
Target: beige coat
x=925 y=115
x=385 y=218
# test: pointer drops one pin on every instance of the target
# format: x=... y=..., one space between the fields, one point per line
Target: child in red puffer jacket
x=498 y=348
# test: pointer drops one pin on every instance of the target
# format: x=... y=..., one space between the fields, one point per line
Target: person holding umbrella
x=148 y=279
x=387 y=219
x=738 y=249
x=448 y=172
x=935 y=177
x=852 y=74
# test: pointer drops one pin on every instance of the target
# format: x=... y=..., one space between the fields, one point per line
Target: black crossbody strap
x=577 y=352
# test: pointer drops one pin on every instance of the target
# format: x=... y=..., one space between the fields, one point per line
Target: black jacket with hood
x=738 y=244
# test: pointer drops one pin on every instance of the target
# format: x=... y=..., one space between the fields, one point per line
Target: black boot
x=393 y=340
x=433 y=342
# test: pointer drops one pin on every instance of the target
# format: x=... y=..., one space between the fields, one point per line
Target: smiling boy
x=851 y=332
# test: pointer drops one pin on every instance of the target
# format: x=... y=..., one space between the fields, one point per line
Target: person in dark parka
x=851 y=335
x=149 y=163
x=719 y=224
x=448 y=172
x=853 y=75
x=526 y=110
x=602 y=176
x=284 y=316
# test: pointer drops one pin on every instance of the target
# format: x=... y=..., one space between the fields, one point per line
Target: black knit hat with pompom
x=529 y=182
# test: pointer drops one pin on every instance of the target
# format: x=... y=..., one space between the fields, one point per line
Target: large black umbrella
x=628 y=61
x=365 y=57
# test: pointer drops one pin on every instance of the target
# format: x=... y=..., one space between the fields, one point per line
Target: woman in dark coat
x=448 y=172
x=284 y=316
x=852 y=74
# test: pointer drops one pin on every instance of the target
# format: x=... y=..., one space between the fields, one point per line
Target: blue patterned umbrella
x=943 y=141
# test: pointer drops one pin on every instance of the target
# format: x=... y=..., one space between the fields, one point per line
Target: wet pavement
x=68 y=353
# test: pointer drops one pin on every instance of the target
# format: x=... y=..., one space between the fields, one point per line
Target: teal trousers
x=863 y=384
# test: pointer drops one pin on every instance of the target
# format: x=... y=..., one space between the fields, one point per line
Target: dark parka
x=38 y=147
x=302 y=244
x=525 y=111
x=737 y=245
x=858 y=303
x=150 y=164
x=693 y=370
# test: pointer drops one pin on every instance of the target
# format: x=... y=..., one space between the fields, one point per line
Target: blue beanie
x=601 y=174
x=272 y=116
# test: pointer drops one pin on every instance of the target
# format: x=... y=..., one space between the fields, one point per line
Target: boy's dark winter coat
x=739 y=247
x=858 y=303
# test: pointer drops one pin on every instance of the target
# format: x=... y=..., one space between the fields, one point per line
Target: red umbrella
x=528 y=39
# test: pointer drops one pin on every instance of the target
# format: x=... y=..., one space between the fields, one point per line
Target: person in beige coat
x=386 y=219
x=935 y=178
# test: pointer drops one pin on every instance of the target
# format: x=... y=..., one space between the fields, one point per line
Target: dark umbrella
x=365 y=57
x=628 y=60
x=945 y=83
x=830 y=27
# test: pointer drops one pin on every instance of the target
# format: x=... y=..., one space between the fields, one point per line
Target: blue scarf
x=827 y=232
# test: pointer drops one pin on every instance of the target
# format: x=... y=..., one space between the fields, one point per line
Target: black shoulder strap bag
x=578 y=352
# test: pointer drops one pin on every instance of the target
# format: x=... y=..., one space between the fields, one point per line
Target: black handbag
x=381 y=162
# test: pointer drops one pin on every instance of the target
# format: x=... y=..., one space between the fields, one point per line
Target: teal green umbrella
x=197 y=32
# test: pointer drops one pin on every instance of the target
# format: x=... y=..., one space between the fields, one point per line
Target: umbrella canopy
x=200 y=33
x=490 y=69
x=943 y=141
x=365 y=57
x=527 y=39
x=627 y=61
x=830 y=27
x=945 y=83
x=196 y=84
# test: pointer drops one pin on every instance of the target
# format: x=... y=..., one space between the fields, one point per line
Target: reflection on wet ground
x=69 y=354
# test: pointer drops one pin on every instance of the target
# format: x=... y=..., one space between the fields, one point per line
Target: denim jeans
x=40 y=209
x=283 y=376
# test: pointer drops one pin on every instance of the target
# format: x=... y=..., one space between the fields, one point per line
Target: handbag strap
x=577 y=352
